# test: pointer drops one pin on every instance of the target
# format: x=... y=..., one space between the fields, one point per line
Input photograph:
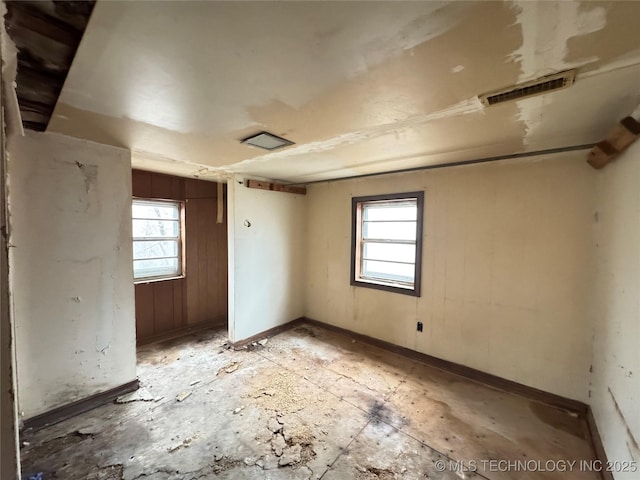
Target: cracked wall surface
x=614 y=389
x=71 y=277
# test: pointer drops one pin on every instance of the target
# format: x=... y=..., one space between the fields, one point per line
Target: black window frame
x=356 y=226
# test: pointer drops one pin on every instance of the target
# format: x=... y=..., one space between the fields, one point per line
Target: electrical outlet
x=419 y=326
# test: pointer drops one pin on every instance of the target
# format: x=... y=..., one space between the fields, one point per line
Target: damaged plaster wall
x=71 y=271
x=9 y=122
x=267 y=232
x=615 y=382
x=506 y=272
x=9 y=452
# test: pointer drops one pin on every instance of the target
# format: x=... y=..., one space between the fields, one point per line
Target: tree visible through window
x=387 y=242
x=157 y=246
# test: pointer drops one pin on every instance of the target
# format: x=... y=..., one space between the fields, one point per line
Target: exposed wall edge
x=598 y=446
x=72 y=409
x=270 y=332
x=461 y=163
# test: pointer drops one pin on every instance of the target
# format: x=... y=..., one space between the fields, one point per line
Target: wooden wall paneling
x=161 y=186
x=141 y=183
x=200 y=297
x=144 y=310
x=178 y=304
x=163 y=306
x=221 y=285
x=206 y=256
x=191 y=245
x=177 y=188
x=199 y=189
x=211 y=275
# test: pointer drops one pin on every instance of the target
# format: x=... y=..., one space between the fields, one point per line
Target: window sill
x=412 y=291
x=141 y=281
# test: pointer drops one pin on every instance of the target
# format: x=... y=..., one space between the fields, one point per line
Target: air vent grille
x=529 y=89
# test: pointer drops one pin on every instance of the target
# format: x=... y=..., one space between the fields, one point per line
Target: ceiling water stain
x=618 y=38
x=416 y=94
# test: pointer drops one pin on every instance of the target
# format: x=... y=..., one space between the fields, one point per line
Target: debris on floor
x=229 y=368
x=364 y=413
x=185 y=443
x=140 y=395
x=183 y=395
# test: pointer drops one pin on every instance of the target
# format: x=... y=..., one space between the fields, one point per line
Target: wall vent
x=538 y=86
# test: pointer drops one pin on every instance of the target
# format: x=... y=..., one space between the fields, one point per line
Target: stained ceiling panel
x=358 y=86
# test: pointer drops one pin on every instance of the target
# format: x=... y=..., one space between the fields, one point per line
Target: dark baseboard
x=181 y=332
x=269 y=333
x=83 y=405
x=598 y=446
x=582 y=409
x=467 y=372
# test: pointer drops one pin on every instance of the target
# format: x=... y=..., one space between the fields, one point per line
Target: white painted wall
x=506 y=274
x=70 y=269
x=615 y=383
x=266 y=260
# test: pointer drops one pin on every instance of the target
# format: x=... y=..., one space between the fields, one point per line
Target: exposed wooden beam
x=24 y=16
x=617 y=141
x=276 y=187
x=47 y=34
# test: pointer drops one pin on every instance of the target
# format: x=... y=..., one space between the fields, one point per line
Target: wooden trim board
x=72 y=409
x=467 y=372
x=276 y=187
x=269 y=333
x=181 y=332
x=598 y=446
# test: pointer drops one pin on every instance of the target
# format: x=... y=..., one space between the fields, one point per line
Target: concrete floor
x=307 y=404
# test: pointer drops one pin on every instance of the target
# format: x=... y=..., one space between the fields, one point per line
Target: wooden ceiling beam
x=47 y=34
x=24 y=16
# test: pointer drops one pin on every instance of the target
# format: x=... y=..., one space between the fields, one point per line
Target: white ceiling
x=360 y=87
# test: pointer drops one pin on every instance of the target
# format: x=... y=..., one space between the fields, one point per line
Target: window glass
x=157 y=246
x=387 y=242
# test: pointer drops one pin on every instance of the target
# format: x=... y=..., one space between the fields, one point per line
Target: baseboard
x=83 y=405
x=597 y=444
x=464 y=371
x=180 y=332
x=269 y=333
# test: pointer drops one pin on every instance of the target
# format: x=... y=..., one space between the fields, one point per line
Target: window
x=157 y=239
x=386 y=248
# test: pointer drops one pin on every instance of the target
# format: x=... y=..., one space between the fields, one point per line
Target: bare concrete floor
x=307 y=404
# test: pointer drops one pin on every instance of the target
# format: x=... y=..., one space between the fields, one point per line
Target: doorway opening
x=180 y=256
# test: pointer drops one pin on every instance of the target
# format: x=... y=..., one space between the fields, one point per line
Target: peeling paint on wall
x=71 y=275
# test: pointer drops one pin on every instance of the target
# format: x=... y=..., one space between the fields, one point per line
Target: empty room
x=320 y=240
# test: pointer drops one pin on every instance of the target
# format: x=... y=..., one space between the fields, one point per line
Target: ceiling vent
x=267 y=140
x=539 y=86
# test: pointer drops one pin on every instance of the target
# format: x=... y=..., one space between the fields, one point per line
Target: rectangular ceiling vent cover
x=538 y=86
x=267 y=140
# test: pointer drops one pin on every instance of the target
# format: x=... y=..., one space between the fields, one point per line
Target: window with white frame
x=386 y=248
x=157 y=239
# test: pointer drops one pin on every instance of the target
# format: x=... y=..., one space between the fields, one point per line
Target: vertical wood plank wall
x=200 y=298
